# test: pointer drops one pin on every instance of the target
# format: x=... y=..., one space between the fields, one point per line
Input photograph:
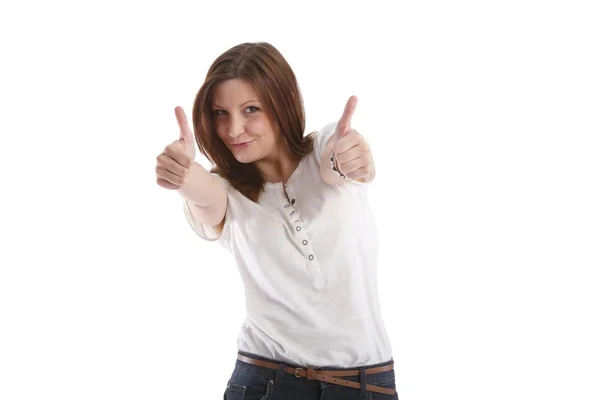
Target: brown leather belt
x=326 y=376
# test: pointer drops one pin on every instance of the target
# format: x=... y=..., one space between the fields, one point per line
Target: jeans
x=253 y=382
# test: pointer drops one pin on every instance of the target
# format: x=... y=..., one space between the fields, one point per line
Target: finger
x=350 y=155
x=165 y=184
x=184 y=127
x=345 y=121
x=166 y=162
x=177 y=153
x=354 y=165
x=359 y=174
x=351 y=140
x=169 y=176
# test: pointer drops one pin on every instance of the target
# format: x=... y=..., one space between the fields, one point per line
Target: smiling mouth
x=241 y=144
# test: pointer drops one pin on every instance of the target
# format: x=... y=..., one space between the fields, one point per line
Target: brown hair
x=264 y=67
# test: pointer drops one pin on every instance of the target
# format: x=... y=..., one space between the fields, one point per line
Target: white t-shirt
x=309 y=268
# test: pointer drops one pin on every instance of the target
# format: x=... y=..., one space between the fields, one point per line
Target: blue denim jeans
x=253 y=382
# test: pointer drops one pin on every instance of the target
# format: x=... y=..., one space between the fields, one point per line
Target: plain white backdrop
x=483 y=118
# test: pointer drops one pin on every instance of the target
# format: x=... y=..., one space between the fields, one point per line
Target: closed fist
x=174 y=163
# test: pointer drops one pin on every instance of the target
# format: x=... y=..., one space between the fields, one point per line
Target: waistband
x=368 y=375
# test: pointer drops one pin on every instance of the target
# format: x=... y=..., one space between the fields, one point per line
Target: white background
x=483 y=118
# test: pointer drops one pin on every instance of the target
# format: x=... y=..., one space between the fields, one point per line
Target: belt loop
x=363 y=381
x=279 y=376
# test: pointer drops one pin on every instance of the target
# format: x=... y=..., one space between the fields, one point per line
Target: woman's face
x=241 y=121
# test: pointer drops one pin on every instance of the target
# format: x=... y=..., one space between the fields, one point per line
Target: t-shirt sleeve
x=205 y=231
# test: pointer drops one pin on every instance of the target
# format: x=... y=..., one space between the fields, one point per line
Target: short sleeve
x=321 y=140
x=204 y=231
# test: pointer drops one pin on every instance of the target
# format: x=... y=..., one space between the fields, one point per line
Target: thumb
x=345 y=122
x=186 y=135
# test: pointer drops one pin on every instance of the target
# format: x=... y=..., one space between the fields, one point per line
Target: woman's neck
x=278 y=168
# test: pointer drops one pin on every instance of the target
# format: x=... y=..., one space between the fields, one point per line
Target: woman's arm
x=206 y=196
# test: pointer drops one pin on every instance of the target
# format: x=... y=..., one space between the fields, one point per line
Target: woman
x=293 y=211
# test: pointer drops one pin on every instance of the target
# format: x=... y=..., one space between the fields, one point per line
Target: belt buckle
x=297 y=372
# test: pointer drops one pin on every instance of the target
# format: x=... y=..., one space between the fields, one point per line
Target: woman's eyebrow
x=249 y=101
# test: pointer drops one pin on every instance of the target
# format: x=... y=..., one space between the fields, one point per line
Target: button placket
x=296 y=223
x=291 y=215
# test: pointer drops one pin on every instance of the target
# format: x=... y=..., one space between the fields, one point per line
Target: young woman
x=293 y=211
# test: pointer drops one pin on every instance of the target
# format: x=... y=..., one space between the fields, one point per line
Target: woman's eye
x=252 y=109
x=218 y=113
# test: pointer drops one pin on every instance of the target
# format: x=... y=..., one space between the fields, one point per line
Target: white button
x=305 y=242
x=298 y=228
x=311 y=257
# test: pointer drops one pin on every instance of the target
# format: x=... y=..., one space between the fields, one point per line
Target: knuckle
x=171 y=148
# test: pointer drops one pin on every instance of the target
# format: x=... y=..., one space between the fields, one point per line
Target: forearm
x=202 y=189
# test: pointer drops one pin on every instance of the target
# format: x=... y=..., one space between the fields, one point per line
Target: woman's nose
x=236 y=127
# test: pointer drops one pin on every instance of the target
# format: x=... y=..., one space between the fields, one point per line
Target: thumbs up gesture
x=351 y=154
x=174 y=163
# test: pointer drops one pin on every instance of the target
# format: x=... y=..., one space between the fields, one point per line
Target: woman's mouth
x=243 y=144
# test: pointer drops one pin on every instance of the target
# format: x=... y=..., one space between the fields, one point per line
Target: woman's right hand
x=174 y=163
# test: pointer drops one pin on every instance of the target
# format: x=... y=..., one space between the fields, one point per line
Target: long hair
x=264 y=67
